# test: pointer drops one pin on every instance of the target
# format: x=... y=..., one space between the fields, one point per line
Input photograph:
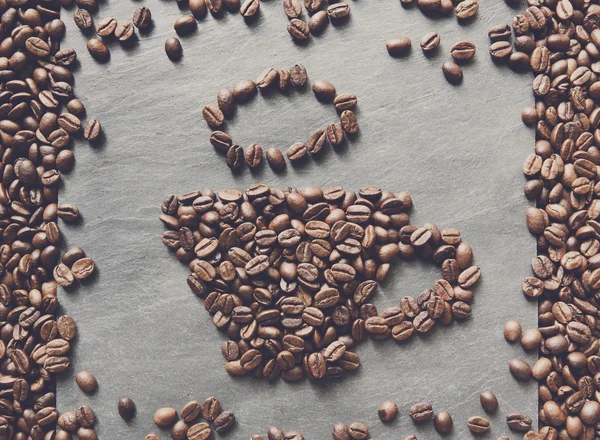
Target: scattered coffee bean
x=165 y=417
x=98 y=50
x=387 y=411
x=452 y=72
x=173 y=49
x=519 y=422
x=275 y=159
x=106 y=27
x=463 y=50
x=298 y=29
x=126 y=408
x=142 y=17
x=86 y=381
x=478 y=425
x=253 y=156
x=324 y=91
x=399 y=46
x=488 y=401
x=443 y=422
x=512 y=331
x=430 y=41
x=421 y=412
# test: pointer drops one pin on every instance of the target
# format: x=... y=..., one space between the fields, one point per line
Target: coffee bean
x=224 y=422
x=387 y=411
x=488 y=401
x=443 y=422
x=349 y=122
x=452 y=72
x=398 y=46
x=335 y=134
x=268 y=77
x=253 y=156
x=298 y=29
x=85 y=416
x=213 y=116
x=519 y=422
x=500 y=32
x=214 y=6
x=318 y=22
x=520 y=369
x=173 y=49
x=250 y=8
x=83 y=268
x=292 y=8
x=199 y=431
x=478 y=425
x=512 y=331
x=501 y=49
x=98 y=50
x=358 y=431
x=86 y=381
x=142 y=17
x=316 y=141
x=226 y=102
x=126 y=408
x=192 y=409
x=345 y=101
x=296 y=151
x=338 y=11
x=106 y=27
x=275 y=159
x=324 y=91
x=83 y=19
x=165 y=417
x=421 y=412
x=463 y=50
x=298 y=75
x=430 y=41
x=244 y=91
x=466 y=9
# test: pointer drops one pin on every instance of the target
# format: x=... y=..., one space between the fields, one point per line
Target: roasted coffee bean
x=318 y=22
x=296 y=151
x=387 y=411
x=106 y=27
x=142 y=17
x=83 y=19
x=421 y=412
x=213 y=116
x=86 y=381
x=463 y=50
x=519 y=422
x=253 y=156
x=324 y=91
x=443 y=422
x=221 y=141
x=500 y=32
x=399 y=46
x=466 y=9
x=126 y=408
x=345 y=101
x=501 y=49
x=173 y=49
x=292 y=8
x=92 y=130
x=478 y=425
x=275 y=159
x=488 y=401
x=98 y=50
x=298 y=75
x=224 y=422
x=452 y=72
x=512 y=331
x=349 y=122
x=520 y=369
x=165 y=417
x=298 y=29
x=338 y=11
x=430 y=41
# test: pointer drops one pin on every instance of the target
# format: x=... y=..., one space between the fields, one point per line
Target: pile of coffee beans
x=78 y=423
x=108 y=28
x=559 y=41
x=186 y=424
x=271 y=78
x=289 y=274
x=40 y=117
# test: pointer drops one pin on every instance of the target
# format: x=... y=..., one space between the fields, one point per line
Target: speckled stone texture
x=457 y=150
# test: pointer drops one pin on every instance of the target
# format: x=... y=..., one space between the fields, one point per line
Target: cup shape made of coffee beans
x=289 y=275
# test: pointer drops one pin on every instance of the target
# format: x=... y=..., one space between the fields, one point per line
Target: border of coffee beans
x=289 y=275
x=464 y=10
x=559 y=42
x=335 y=133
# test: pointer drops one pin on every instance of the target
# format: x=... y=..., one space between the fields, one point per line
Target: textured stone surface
x=457 y=150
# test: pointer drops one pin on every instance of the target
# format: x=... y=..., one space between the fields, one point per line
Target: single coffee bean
x=519 y=422
x=520 y=369
x=244 y=91
x=399 y=46
x=345 y=101
x=478 y=425
x=296 y=151
x=165 y=417
x=126 y=408
x=106 y=27
x=488 y=401
x=338 y=11
x=298 y=75
x=335 y=134
x=298 y=29
x=275 y=159
x=250 y=8
x=358 y=431
x=316 y=141
x=98 y=50
x=83 y=268
x=213 y=116
x=253 y=156
x=85 y=416
x=142 y=17
x=501 y=49
x=512 y=331
x=349 y=122
x=452 y=72
x=92 y=130
x=235 y=157
x=224 y=422
x=173 y=49
x=387 y=411
x=324 y=91
x=430 y=41
x=221 y=141
x=226 y=102
x=124 y=31
x=86 y=382
x=199 y=431
x=83 y=19
x=292 y=8
x=443 y=422
x=466 y=9
x=318 y=22
x=421 y=412
x=267 y=78
x=500 y=32
x=463 y=50
x=192 y=409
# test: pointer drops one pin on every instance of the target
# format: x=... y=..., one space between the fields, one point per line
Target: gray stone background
x=457 y=150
